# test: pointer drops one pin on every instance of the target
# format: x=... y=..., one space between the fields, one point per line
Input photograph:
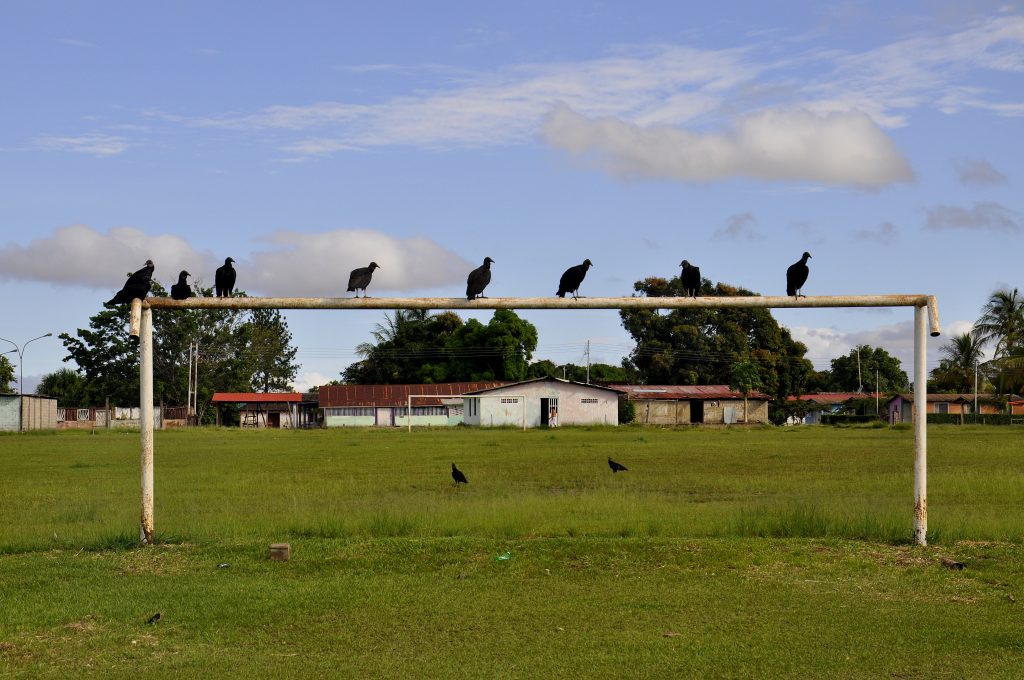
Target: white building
x=542 y=402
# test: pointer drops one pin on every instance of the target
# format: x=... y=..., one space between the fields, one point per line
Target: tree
x=272 y=354
x=961 y=357
x=600 y=374
x=414 y=346
x=699 y=346
x=6 y=375
x=845 y=377
x=745 y=378
x=1002 y=324
x=66 y=385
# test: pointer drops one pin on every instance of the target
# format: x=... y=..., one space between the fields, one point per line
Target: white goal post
x=925 y=314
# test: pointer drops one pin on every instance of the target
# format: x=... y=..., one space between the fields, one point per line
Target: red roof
x=254 y=397
x=685 y=392
x=335 y=396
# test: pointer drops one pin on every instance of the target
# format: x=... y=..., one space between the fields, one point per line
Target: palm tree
x=1001 y=321
x=960 y=357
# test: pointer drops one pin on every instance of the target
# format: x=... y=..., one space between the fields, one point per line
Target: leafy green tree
x=1001 y=324
x=272 y=354
x=414 y=346
x=6 y=375
x=699 y=346
x=961 y=356
x=600 y=374
x=745 y=378
x=891 y=377
x=66 y=385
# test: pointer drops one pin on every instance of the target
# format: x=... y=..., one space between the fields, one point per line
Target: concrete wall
x=715 y=411
x=28 y=413
x=571 y=410
x=662 y=412
x=9 y=406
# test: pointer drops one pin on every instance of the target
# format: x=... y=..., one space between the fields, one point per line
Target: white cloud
x=985 y=216
x=838 y=148
x=738 y=227
x=977 y=172
x=81 y=255
x=319 y=264
x=886 y=233
x=98 y=145
x=296 y=264
x=310 y=379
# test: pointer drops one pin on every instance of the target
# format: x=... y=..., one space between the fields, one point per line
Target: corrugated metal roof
x=549 y=379
x=685 y=392
x=954 y=396
x=254 y=397
x=336 y=396
x=832 y=397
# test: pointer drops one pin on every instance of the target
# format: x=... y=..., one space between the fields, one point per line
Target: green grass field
x=721 y=553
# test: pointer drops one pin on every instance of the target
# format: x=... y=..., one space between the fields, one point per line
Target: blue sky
x=305 y=139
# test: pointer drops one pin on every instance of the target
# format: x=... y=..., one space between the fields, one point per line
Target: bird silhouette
x=154 y=618
x=572 y=278
x=458 y=476
x=617 y=467
x=690 y=278
x=181 y=290
x=224 y=279
x=796 y=276
x=137 y=286
x=360 y=278
x=478 y=280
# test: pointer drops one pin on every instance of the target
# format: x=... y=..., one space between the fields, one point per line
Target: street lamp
x=21 y=359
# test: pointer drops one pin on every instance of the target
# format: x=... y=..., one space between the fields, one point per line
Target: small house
x=262 y=409
x=438 y=404
x=826 y=403
x=543 y=402
x=901 y=407
x=695 y=404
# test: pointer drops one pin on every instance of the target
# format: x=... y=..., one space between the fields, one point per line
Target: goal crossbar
x=926 y=317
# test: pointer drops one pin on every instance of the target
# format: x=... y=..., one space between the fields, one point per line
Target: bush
x=971 y=419
x=627 y=411
x=841 y=419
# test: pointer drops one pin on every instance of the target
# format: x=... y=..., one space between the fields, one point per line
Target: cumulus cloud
x=837 y=148
x=886 y=233
x=738 y=227
x=977 y=172
x=98 y=145
x=300 y=264
x=295 y=264
x=81 y=255
x=985 y=216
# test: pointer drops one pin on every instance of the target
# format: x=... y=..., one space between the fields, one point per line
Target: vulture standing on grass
x=691 y=279
x=360 y=278
x=458 y=476
x=572 y=278
x=617 y=467
x=478 y=280
x=137 y=286
x=224 y=279
x=796 y=276
x=181 y=290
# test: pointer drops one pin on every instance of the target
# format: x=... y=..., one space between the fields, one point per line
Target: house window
x=588 y=400
x=509 y=400
x=349 y=411
x=941 y=407
x=422 y=411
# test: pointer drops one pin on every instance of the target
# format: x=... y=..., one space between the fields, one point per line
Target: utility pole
x=860 y=382
x=588 y=361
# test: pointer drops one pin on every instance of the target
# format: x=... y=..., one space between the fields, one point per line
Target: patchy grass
x=758 y=553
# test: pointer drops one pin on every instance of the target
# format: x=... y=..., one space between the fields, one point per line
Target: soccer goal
x=925 y=315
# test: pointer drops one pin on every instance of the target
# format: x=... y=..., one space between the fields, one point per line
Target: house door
x=544 y=412
x=696 y=410
x=273 y=420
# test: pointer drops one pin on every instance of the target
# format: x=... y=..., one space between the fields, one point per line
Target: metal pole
x=146 y=422
x=920 y=428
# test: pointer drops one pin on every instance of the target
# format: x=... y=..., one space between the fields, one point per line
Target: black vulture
x=458 y=476
x=137 y=286
x=796 y=276
x=690 y=278
x=572 y=278
x=181 y=290
x=617 y=467
x=224 y=280
x=154 y=618
x=478 y=280
x=360 y=278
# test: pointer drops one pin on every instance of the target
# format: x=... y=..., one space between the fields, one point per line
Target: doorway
x=544 y=414
x=696 y=411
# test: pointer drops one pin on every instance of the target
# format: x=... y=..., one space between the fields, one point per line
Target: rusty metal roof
x=685 y=392
x=550 y=378
x=832 y=397
x=334 y=396
x=254 y=397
